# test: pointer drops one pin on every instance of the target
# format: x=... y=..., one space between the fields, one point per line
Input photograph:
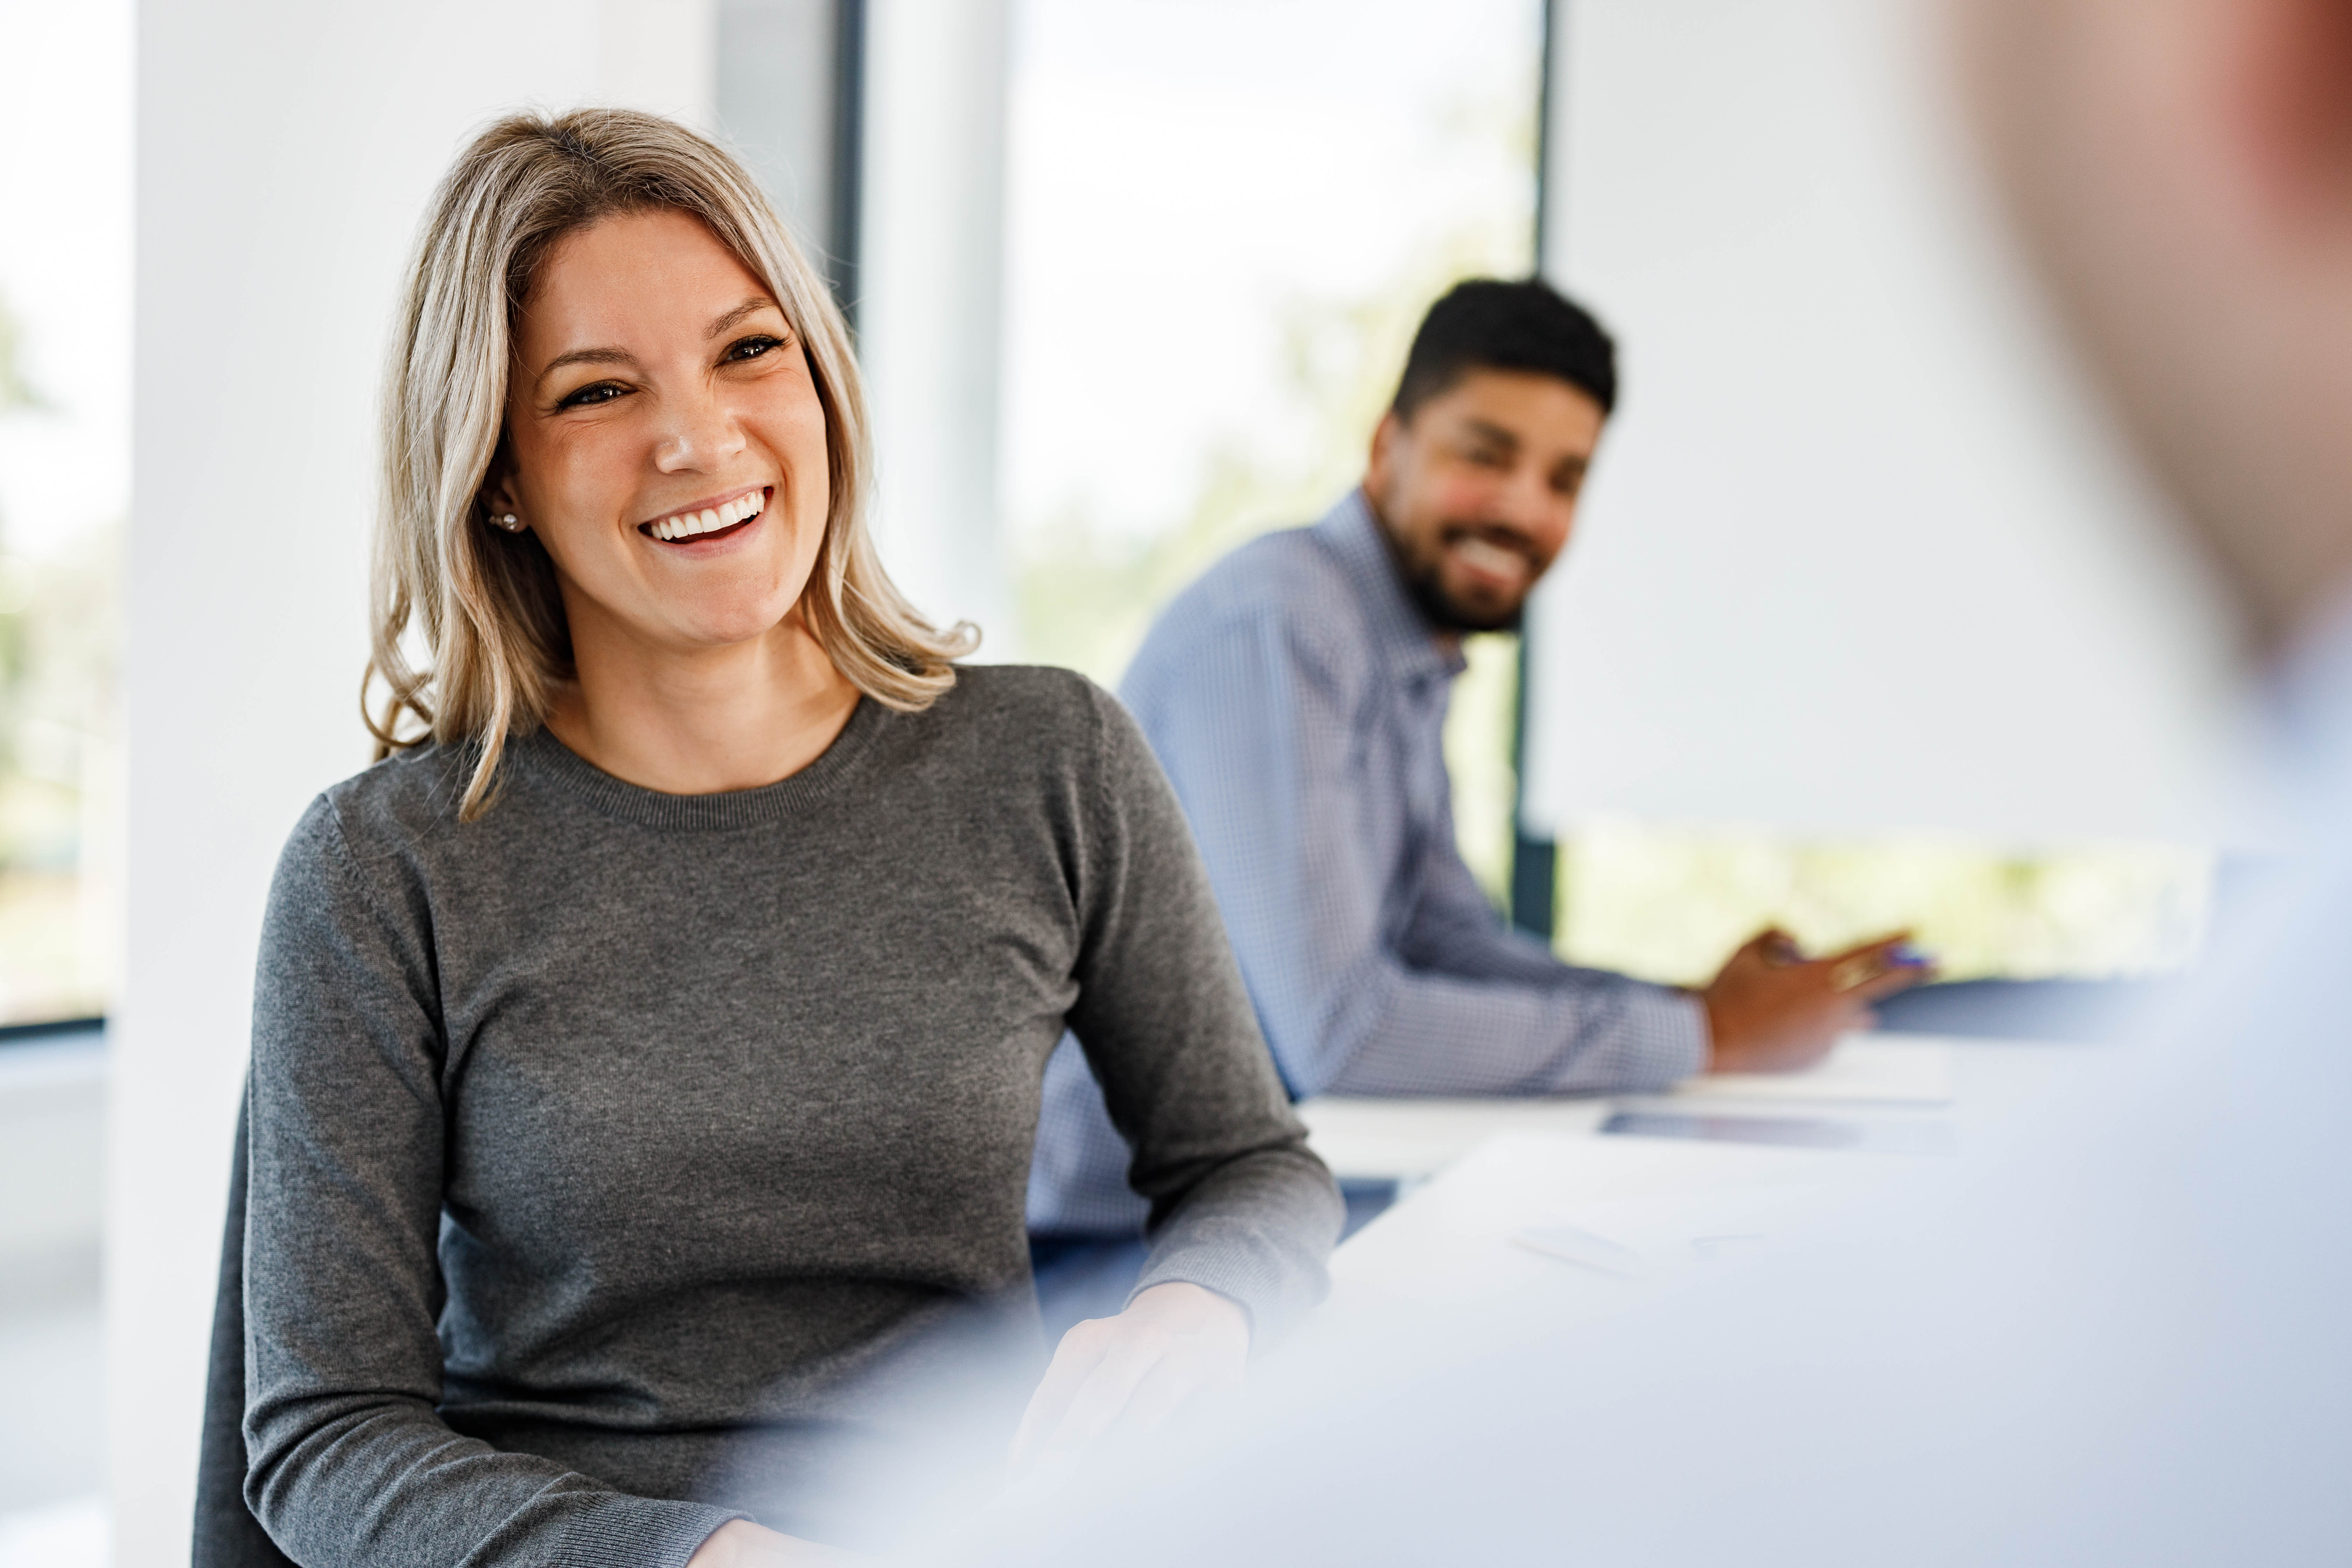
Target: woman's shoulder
x=419 y=786
x=407 y=799
x=1023 y=693
x=363 y=844
x=1043 y=715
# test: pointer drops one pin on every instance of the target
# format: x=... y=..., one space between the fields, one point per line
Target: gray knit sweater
x=622 y=1161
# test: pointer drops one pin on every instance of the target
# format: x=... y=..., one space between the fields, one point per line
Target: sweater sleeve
x=348 y=1460
x=1239 y=1205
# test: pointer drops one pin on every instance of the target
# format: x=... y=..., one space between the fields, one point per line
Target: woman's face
x=663 y=437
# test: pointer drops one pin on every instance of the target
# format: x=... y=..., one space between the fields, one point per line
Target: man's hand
x=1175 y=1344
x=1773 y=1010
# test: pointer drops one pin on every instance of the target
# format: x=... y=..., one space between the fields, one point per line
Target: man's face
x=1478 y=491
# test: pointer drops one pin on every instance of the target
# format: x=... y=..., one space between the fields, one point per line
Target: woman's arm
x=349 y=1460
x=1242 y=1216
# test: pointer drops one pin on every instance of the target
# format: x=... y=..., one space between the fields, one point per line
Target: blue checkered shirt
x=1297 y=699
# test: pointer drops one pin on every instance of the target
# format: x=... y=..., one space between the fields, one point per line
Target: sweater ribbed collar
x=539 y=759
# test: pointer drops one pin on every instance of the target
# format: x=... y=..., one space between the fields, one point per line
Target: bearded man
x=1297 y=696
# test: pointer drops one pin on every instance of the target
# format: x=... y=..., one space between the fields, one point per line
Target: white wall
x=1855 y=557
x=661 y=55
x=285 y=150
x=931 y=300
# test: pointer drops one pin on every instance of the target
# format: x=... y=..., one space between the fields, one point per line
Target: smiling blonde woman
x=646 y=1051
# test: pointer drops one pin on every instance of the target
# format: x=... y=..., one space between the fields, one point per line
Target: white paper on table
x=1857 y=1071
x=1641 y=1237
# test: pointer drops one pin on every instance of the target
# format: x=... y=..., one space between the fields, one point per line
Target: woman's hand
x=740 y=1544
x=1173 y=1344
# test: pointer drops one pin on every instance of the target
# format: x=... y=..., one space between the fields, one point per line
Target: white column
x=931 y=302
x=286 y=151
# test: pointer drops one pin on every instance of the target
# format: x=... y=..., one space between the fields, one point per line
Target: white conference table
x=1503 y=1197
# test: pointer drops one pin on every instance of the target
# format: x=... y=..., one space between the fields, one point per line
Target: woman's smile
x=707 y=521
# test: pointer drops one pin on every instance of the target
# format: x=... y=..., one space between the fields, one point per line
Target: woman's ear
x=496 y=496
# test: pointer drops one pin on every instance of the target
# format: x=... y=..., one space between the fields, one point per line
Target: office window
x=1224 y=219
x=1668 y=901
x=65 y=399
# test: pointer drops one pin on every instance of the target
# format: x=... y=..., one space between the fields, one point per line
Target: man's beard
x=1425 y=583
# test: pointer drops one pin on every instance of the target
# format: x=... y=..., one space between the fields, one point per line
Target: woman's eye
x=591 y=395
x=751 y=348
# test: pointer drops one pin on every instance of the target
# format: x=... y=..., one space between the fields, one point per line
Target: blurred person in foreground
x=2116 y=1334
x=1297 y=695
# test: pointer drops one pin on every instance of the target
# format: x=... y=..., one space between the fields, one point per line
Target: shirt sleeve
x=1452 y=929
x=348 y=1460
x=1239 y=1205
x=1261 y=737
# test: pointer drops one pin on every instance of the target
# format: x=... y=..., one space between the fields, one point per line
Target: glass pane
x=1226 y=219
x=1667 y=901
x=65 y=419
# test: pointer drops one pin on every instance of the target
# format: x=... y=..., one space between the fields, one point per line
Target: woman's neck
x=705 y=720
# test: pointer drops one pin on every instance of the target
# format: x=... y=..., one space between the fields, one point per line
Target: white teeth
x=686 y=524
x=1488 y=557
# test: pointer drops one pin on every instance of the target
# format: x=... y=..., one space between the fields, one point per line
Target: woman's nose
x=701 y=431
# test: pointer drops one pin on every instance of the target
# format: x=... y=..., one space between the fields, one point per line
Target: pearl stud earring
x=509 y=521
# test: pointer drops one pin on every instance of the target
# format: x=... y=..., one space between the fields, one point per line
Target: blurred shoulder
x=1284 y=593
x=1288 y=577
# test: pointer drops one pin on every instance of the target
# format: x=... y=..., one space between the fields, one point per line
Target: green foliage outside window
x=59 y=633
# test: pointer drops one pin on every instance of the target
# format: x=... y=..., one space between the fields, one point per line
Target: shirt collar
x=1405 y=640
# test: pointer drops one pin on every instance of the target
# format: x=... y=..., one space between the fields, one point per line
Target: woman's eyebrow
x=752 y=305
x=583 y=356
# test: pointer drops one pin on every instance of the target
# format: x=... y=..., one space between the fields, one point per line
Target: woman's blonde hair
x=480 y=606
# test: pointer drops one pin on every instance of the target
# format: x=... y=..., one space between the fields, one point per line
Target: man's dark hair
x=1486 y=324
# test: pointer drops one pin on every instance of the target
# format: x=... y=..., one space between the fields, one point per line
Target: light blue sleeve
x=1262 y=733
x=1455 y=931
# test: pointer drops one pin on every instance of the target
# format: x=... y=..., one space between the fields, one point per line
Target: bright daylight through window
x=65 y=405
